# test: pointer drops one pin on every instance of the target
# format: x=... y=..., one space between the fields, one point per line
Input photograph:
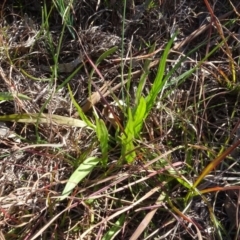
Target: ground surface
x=194 y=120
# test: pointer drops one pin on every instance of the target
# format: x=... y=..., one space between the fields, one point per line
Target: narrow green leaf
x=158 y=83
x=80 y=111
x=79 y=174
x=9 y=96
x=63 y=8
x=143 y=77
x=99 y=60
x=139 y=116
x=178 y=80
x=127 y=140
x=184 y=182
x=115 y=228
x=132 y=130
x=103 y=57
x=106 y=54
x=102 y=135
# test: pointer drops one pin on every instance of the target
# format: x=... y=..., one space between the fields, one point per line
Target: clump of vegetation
x=119 y=120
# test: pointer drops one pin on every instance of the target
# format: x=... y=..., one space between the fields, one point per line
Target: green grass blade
x=114 y=229
x=103 y=57
x=63 y=8
x=102 y=135
x=9 y=96
x=79 y=174
x=138 y=117
x=106 y=54
x=158 y=82
x=143 y=77
x=99 y=60
x=127 y=139
x=177 y=81
x=80 y=111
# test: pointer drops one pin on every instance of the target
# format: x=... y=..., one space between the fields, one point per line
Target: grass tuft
x=119 y=120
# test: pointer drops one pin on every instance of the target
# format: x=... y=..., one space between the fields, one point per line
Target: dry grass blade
x=190 y=221
x=215 y=163
x=142 y=226
x=2 y=236
x=41 y=231
x=44 y=118
x=118 y=213
x=95 y=97
x=201 y=30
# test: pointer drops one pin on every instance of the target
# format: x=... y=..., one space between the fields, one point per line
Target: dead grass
x=184 y=180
